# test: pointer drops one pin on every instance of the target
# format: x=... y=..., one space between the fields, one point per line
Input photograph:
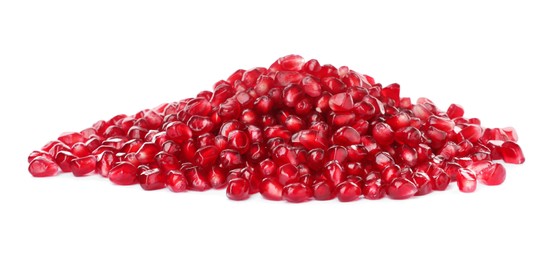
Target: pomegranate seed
x=389 y=173
x=291 y=62
x=439 y=179
x=423 y=183
x=297 y=192
x=83 y=165
x=373 y=190
x=287 y=173
x=63 y=159
x=42 y=166
x=35 y=154
x=493 y=175
x=206 y=156
x=348 y=191
x=323 y=190
x=310 y=139
x=382 y=160
x=152 y=179
x=341 y=102
x=271 y=189
x=196 y=179
x=80 y=150
x=238 y=189
x=455 y=111
x=147 y=152
x=471 y=133
x=105 y=162
x=401 y=188
x=466 y=180
x=292 y=131
x=166 y=161
x=346 y=136
x=511 y=152
x=175 y=181
x=383 y=133
x=123 y=173
x=198 y=106
x=238 y=140
x=70 y=139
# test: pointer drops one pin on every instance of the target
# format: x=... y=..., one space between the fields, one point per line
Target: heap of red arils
x=295 y=131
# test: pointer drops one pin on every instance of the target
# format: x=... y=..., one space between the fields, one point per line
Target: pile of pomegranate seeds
x=295 y=131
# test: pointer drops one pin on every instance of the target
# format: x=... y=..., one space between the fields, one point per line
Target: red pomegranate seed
x=423 y=183
x=455 y=111
x=373 y=190
x=35 y=154
x=292 y=94
x=238 y=140
x=493 y=175
x=105 y=162
x=216 y=177
x=341 y=102
x=383 y=133
x=511 y=152
x=175 y=181
x=80 y=150
x=401 y=188
x=466 y=180
x=297 y=192
x=346 y=136
x=382 y=160
x=83 y=165
x=152 y=179
x=293 y=131
x=323 y=190
x=238 y=189
x=198 y=106
x=166 y=161
x=196 y=179
x=389 y=173
x=348 y=191
x=271 y=189
x=147 y=152
x=123 y=173
x=42 y=166
x=63 y=159
x=206 y=156
x=179 y=132
x=287 y=173
x=334 y=172
x=70 y=139
x=439 y=179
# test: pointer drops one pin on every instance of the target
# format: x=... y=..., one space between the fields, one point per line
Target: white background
x=66 y=64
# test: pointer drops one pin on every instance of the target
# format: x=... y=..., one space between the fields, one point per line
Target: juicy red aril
x=297 y=192
x=466 y=180
x=294 y=131
x=271 y=189
x=196 y=179
x=84 y=165
x=175 y=181
x=323 y=190
x=348 y=191
x=152 y=179
x=238 y=189
x=511 y=152
x=373 y=190
x=401 y=188
x=123 y=173
x=43 y=167
x=494 y=174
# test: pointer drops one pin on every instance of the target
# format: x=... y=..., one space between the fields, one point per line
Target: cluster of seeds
x=295 y=131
